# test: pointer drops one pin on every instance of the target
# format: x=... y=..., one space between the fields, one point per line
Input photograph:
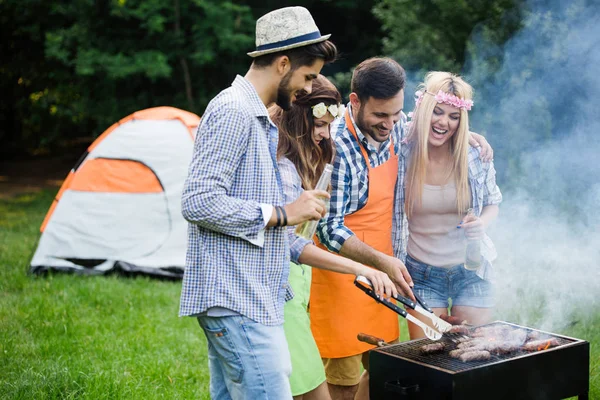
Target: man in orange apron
x=359 y=226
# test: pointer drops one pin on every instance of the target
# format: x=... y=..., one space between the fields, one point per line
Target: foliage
x=71 y=69
x=96 y=62
x=431 y=34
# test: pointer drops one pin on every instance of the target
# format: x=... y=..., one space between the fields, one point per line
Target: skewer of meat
x=433 y=348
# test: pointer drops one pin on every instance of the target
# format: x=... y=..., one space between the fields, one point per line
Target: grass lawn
x=66 y=336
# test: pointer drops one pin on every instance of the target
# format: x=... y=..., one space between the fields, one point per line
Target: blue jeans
x=247 y=360
x=435 y=285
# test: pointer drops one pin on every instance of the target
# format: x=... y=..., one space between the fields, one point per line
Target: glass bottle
x=307 y=229
x=473 y=254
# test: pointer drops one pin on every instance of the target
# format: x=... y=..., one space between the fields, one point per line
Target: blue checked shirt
x=233 y=172
x=484 y=192
x=350 y=178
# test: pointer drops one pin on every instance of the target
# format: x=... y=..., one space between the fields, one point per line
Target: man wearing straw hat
x=238 y=254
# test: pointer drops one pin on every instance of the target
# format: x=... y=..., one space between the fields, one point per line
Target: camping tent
x=120 y=206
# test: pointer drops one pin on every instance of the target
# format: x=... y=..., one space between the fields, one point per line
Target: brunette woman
x=305 y=146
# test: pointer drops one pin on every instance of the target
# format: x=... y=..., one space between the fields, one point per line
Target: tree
x=76 y=67
x=430 y=35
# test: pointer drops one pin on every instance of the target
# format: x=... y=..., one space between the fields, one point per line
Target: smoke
x=537 y=103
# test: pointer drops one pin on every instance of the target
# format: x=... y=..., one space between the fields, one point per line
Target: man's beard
x=366 y=130
x=284 y=98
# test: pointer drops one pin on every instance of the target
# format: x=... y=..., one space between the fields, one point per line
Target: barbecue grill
x=401 y=371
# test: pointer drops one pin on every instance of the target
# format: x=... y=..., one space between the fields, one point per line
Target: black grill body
x=400 y=371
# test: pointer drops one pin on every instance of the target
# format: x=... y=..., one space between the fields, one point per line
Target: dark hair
x=296 y=127
x=301 y=56
x=378 y=77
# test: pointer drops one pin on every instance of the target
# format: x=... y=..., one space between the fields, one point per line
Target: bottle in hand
x=473 y=254
x=307 y=229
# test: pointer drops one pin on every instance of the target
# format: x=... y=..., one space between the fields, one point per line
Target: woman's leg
x=431 y=284
x=472 y=297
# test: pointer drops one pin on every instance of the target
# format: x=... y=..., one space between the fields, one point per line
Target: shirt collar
x=385 y=145
x=256 y=105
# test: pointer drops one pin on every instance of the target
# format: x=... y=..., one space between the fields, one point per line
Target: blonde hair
x=418 y=138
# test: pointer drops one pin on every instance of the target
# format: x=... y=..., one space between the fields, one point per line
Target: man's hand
x=382 y=284
x=398 y=273
x=309 y=206
x=486 y=153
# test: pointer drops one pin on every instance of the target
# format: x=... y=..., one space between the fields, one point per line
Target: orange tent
x=120 y=206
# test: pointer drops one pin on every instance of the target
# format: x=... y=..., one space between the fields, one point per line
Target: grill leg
x=583 y=396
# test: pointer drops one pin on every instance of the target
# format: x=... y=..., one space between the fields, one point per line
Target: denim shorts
x=436 y=285
x=246 y=360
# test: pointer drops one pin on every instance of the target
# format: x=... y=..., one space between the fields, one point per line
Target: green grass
x=66 y=337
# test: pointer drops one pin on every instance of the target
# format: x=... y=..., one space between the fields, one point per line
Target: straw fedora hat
x=284 y=29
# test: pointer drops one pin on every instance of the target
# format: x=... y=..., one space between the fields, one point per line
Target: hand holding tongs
x=365 y=285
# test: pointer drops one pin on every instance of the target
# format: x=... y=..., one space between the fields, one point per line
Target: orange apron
x=338 y=309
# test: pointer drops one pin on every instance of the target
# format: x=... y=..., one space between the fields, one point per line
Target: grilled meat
x=462 y=329
x=456 y=353
x=541 y=344
x=475 y=356
x=433 y=348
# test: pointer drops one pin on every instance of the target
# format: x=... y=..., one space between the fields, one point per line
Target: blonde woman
x=445 y=177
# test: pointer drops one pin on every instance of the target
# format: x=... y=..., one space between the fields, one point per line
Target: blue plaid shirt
x=233 y=171
x=484 y=192
x=350 y=178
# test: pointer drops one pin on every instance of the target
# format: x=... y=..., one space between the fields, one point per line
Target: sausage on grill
x=433 y=348
x=479 y=355
x=536 y=345
x=462 y=329
x=456 y=353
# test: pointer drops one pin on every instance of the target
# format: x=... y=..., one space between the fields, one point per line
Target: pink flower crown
x=446 y=98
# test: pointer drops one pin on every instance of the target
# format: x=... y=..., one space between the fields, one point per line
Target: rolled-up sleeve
x=331 y=230
x=219 y=146
x=292 y=189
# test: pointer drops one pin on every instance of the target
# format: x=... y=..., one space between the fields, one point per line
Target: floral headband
x=319 y=110
x=446 y=98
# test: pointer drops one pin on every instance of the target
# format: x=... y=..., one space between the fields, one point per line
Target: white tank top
x=433 y=237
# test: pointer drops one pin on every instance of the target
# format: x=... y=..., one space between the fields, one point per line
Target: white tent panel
x=90 y=225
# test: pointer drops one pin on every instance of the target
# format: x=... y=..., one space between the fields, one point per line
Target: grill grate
x=411 y=351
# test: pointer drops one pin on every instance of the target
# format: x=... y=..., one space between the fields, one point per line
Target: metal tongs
x=421 y=307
